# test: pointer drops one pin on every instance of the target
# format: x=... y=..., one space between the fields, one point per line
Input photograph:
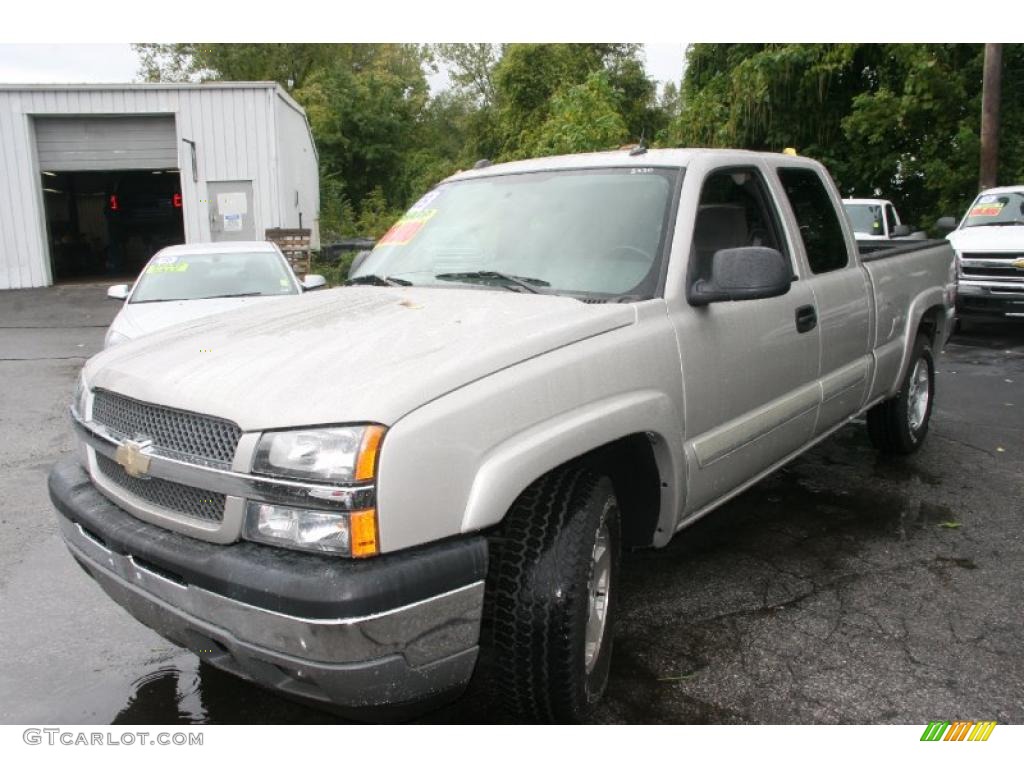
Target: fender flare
x=511 y=466
x=924 y=302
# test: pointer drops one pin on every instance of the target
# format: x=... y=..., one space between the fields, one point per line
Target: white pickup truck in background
x=875 y=219
x=989 y=245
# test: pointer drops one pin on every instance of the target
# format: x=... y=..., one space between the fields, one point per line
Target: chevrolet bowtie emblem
x=1019 y=263
x=130 y=456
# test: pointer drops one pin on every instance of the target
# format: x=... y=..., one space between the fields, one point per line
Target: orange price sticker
x=987 y=209
x=407 y=228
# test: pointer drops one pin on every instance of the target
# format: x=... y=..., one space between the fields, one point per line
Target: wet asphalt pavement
x=846 y=588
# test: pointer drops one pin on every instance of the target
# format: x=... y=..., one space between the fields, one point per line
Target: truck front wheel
x=899 y=425
x=551 y=597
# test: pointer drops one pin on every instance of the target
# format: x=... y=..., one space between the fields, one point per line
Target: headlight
x=78 y=399
x=352 y=534
x=331 y=455
x=114 y=338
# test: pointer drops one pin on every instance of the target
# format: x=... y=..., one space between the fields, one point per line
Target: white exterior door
x=231 y=211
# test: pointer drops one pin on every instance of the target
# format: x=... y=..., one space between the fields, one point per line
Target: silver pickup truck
x=356 y=497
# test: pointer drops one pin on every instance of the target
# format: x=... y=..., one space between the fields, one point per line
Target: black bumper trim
x=294 y=583
x=978 y=304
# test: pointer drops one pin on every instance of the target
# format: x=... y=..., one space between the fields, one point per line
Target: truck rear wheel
x=899 y=425
x=551 y=598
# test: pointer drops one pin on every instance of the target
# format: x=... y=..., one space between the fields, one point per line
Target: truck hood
x=988 y=239
x=345 y=355
x=137 y=320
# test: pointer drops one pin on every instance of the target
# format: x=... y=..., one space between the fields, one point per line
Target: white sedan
x=186 y=282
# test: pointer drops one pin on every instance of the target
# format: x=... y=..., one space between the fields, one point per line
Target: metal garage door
x=106 y=143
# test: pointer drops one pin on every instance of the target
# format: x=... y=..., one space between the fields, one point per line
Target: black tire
x=892 y=425
x=538 y=597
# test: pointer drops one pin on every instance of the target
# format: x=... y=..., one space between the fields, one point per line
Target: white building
x=95 y=178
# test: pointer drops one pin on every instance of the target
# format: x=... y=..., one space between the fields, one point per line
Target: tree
x=286 y=63
x=899 y=121
x=471 y=68
x=528 y=76
x=582 y=118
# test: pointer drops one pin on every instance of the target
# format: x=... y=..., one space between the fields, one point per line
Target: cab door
x=749 y=368
x=841 y=292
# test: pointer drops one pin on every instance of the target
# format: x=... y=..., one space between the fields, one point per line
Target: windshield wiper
x=233 y=295
x=528 y=284
x=376 y=280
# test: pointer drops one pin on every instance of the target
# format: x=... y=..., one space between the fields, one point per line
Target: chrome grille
x=1009 y=272
x=181 y=433
x=182 y=499
x=999 y=255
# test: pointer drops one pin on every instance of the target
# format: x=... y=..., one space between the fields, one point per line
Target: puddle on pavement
x=191 y=693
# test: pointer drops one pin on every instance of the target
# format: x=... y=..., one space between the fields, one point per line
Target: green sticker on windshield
x=156 y=269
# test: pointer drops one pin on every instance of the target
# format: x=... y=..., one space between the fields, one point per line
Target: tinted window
x=816 y=215
x=734 y=211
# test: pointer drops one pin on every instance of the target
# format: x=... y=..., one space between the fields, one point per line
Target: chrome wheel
x=918 y=395
x=598 y=591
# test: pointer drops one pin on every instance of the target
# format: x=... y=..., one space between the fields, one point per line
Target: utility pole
x=990 y=88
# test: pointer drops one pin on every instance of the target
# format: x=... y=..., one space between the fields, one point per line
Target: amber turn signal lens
x=366 y=464
x=363 y=526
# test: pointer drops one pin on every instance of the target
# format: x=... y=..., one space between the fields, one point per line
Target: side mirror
x=900 y=230
x=312 y=282
x=946 y=224
x=119 y=292
x=357 y=262
x=743 y=274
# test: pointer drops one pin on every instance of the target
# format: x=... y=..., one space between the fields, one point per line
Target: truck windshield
x=865 y=219
x=996 y=210
x=213 y=275
x=586 y=233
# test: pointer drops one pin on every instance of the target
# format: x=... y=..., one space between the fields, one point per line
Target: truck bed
x=904 y=281
x=872 y=250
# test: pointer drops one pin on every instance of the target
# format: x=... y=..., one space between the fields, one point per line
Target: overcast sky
x=117 y=63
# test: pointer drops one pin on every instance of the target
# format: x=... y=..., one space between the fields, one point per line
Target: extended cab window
x=734 y=211
x=816 y=215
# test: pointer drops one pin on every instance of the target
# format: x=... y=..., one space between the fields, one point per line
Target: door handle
x=806 y=318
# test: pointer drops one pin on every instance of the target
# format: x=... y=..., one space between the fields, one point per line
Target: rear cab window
x=817 y=219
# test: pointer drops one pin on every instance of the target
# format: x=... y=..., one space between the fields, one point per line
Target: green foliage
x=581 y=118
x=335 y=274
x=529 y=77
x=375 y=216
x=894 y=120
x=365 y=118
x=287 y=63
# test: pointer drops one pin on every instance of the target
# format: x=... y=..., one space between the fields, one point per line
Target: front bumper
x=359 y=635
x=979 y=300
